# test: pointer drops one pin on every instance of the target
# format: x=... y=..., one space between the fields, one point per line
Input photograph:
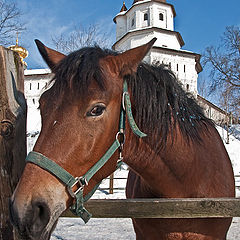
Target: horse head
x=80 y=119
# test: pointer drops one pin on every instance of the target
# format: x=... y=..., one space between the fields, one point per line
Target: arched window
x=187 y=87
x=177 y=66
x=38 y=86
x=133 y=22
x=161 y=16
x=145 y=16
x=184 y=68
x=30 y=86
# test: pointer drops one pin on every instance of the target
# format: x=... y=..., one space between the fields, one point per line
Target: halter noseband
x=80 y=182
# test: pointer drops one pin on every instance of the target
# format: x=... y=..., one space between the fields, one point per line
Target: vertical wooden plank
x=12 y=133
x=111 y=183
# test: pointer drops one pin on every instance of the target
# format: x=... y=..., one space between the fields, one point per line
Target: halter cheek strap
x=80 y=182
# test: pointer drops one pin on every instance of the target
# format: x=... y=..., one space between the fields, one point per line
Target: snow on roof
x=37 y=71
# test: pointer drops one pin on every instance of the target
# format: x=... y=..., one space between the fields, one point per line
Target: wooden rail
x=111 y=187
x=163 y=208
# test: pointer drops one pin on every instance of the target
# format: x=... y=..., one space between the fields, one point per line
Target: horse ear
x=128 y=61
x=50 y=56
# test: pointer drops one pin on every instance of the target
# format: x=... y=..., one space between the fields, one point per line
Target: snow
x=121 y=229
x=37 y=71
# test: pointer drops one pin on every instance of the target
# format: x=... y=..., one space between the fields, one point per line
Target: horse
x=172 y=149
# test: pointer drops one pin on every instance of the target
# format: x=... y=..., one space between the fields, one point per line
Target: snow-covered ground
x=121 y=229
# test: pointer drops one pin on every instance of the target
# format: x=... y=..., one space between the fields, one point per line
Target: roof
x=37 y=71
x=197 y=56
x=124 y=8
x=144 y=1
x=179 y=37
x=204 y=100
x=164 y=1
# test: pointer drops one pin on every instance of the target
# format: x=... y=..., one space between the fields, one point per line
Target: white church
x=135 y=26
x=147 y=19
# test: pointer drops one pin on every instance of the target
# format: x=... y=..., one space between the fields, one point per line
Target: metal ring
x=9 y=128
x=123 y=136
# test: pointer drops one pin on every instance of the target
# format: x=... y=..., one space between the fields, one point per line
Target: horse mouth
x=26 y=231
x=44 y=235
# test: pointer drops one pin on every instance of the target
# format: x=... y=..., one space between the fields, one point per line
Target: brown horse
x=182 y=156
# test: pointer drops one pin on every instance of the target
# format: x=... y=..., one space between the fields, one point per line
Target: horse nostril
x=41 y=216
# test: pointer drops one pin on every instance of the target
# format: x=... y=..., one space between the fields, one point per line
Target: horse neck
x=161 y=169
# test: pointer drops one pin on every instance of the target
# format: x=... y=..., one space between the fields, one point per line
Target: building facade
x=147 y=19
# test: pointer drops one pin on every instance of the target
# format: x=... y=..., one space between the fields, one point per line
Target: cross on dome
x=124 y=8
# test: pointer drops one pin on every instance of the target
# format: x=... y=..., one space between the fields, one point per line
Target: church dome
x=22 y=52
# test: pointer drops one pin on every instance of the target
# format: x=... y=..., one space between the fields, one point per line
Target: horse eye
x=96 y=111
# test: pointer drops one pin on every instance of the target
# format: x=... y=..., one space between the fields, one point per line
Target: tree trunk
x=12 y=133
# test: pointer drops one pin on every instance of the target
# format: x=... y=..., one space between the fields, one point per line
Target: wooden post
x=12 y=133
x=111 y=183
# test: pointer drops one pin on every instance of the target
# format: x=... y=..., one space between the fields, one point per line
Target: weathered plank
x=163 y=208
x=12 y=132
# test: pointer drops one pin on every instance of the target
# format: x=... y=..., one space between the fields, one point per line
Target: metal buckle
x=81 y=182
x=123 y=100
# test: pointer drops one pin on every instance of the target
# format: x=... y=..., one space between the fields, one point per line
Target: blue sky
x=200 y=23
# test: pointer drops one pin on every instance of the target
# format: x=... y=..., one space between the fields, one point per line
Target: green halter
x=47 y=164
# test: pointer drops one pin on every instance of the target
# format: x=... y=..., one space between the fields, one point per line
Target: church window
x=161 y=16
x=177 y=66
x=145 y=16
x=38 y=86
x=170 y=65
x=133 y=22
x=30 y=86
x=184 y=68
x=187 y=87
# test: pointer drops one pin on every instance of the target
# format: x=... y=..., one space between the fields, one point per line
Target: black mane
x=78 y=69
x=159 y=101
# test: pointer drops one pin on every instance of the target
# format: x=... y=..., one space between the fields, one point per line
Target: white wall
x=183 y=66
x=34 y=85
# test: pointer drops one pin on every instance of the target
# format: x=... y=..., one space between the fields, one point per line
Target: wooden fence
x=113 y=188
x=163 y=208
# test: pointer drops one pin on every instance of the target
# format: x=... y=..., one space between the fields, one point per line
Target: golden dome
x=22 y=52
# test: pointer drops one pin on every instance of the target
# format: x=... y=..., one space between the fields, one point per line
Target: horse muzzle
x=32 y=221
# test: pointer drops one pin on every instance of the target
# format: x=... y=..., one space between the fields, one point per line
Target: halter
x=80 y=182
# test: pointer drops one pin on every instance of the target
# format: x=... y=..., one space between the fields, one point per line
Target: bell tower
x=146 y=19
x=153 y=18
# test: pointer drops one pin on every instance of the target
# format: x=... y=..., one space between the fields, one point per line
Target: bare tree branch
x=203 y=87
x=224 y=62
x=9 y=22
x=80 y=37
